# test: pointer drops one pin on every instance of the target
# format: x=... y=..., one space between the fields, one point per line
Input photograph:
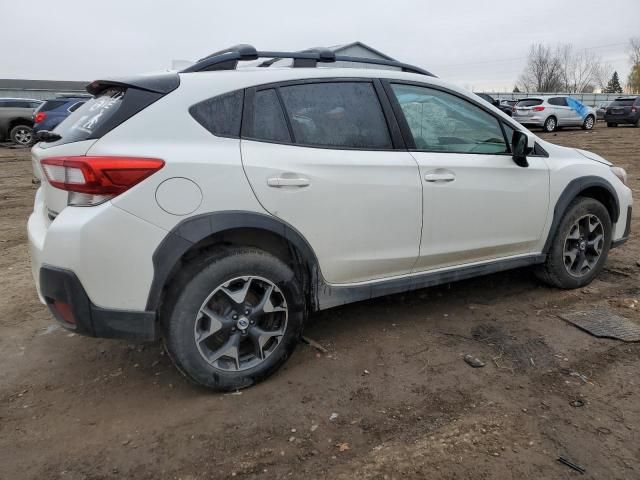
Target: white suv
x=552 y=112
x=217 y=207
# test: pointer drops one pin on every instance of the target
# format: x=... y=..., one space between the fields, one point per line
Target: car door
x=561 y=109
x=478 y=204
x=320 y=156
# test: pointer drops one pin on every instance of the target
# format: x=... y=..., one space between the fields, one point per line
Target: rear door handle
x=278 y=182
x=439 y=177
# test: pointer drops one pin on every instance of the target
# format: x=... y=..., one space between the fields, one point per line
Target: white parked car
x=219 y=206
x=551 y=112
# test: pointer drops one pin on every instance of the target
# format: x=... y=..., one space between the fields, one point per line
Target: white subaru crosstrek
x=215 y=208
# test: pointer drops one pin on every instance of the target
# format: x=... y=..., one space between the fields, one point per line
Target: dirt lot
x=393 y=398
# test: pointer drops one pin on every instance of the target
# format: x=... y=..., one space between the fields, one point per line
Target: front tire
x=580 y=245
x=232 y=318
x=588 y=123
x=550 y=124
x=22 y=135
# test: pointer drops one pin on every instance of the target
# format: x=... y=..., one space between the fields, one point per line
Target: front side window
x=336 y=114
x=442 y=122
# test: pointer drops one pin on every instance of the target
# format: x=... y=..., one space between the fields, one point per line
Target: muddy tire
x=579 y=247
x=232 y=318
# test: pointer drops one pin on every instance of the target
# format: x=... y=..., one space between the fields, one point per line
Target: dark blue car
x=52 y=112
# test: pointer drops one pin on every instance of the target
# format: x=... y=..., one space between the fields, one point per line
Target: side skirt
x=332 y=296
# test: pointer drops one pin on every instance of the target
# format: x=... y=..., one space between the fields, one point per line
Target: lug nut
x=252 y=322
x=246 y=312
x=235 y=316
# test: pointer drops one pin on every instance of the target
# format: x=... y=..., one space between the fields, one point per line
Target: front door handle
x=278 y=182
x=440 y=177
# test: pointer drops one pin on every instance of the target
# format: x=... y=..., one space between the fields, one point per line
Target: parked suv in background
x=551 y=112
x=16 y=119
x=52 y=112
x=623 y=110
x=217 y=207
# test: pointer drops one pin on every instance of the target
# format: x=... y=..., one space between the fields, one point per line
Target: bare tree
x=634 y=50
x=602 y=75
x=579 y=68
x=633 y=82
x=543 y=72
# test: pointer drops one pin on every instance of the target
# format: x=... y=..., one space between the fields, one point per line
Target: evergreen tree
x=614 y=84
x=516 y=89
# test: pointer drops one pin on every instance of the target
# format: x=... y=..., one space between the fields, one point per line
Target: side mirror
x=521 y=145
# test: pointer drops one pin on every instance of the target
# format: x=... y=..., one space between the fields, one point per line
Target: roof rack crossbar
x=228 y=59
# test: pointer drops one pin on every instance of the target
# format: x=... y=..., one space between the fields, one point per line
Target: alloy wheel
x=241 y=323
x=23 y=136
x=583 y=245
x=588 y=123
x=550 y=125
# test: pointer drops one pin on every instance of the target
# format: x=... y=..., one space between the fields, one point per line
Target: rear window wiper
x=47 y=136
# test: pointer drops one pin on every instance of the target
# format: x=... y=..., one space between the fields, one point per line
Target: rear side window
x=529 y=102
x=221 y=115
x=52 y=105
x=269 y=122
x=558 y=101
x=336 y=114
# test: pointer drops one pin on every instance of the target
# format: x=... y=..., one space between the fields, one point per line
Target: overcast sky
x=478 y=46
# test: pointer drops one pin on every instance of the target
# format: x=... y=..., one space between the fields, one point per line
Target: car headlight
x=621 y=173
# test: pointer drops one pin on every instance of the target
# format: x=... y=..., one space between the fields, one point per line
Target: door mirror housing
x=522 y=145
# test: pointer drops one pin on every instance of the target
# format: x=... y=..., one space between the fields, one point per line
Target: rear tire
x=588 y=123
x=579 y=247
x=232 y=318
x=22 y=135
x=550 y=124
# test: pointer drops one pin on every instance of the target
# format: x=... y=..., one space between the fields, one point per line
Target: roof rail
x=228 y=59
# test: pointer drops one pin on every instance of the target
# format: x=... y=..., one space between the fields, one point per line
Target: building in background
x=40 y=89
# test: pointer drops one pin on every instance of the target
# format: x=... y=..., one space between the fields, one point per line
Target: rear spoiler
x=162 y=83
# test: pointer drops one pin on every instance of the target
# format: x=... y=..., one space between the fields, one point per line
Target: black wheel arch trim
x=571 y=191
x=195 y=229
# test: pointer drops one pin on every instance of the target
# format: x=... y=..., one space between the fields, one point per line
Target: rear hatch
x=524 y=108
x=621 y=106
x=114 y=102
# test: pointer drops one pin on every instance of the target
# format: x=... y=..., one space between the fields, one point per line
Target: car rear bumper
x=68 y=301
x=621 y=118
x=531 y=121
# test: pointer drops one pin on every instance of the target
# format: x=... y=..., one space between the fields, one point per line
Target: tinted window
x=220 y=115
x=269 y=122
x=529 y=102
x=558 y=101
x=84 y=122
x=75 y=106
x=508 y=131
x=441 y=122
x=52 y=105
x=344 y=114
x=622 y=102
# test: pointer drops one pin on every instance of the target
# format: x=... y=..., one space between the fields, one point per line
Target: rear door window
x=336 y=114
x=221 y=115
x=622 y=102
x=558 y=101
x=269 y=122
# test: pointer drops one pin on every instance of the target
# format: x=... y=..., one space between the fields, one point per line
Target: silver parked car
x=551 y=112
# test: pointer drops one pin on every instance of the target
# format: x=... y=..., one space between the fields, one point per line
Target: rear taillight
x=94 y=180
x=40 y=116
x=538 y=109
